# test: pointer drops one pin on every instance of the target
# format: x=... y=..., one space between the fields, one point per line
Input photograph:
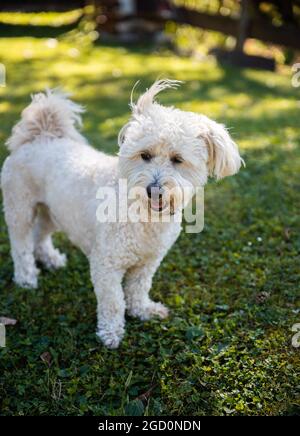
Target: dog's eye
x=145 y=155
x=176 y=159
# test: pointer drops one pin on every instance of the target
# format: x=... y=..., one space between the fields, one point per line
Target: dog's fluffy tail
x=49 y=115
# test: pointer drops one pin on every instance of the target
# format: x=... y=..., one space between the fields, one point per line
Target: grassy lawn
x=232 y=289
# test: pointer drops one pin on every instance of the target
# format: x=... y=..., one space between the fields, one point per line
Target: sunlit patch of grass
x=4 y=106
x=40 y=18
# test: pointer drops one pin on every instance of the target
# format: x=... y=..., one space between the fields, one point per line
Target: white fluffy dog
x=50 y=182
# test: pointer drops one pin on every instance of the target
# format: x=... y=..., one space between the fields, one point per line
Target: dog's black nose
x=154 y=190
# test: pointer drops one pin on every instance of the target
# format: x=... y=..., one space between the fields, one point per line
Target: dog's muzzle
x=155 y=195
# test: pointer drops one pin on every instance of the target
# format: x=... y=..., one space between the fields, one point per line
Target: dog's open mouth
x=157 y=205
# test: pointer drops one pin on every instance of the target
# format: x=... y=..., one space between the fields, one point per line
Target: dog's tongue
x=155 y=204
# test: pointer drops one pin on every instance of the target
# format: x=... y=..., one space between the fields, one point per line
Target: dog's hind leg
x=19 y=210
x=44 y=250
x=137 y=285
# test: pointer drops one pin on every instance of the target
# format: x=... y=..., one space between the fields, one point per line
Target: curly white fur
x=50 y=181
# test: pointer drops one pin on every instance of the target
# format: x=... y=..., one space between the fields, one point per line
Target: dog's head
x=167 y=151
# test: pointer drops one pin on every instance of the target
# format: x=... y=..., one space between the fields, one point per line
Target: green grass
x=232 y=290
x=41 y=18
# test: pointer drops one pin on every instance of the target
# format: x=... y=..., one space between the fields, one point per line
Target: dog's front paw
x=27 y=279
x=51 y=259
x=111 y=339
x=151 y=310
x=57 y=260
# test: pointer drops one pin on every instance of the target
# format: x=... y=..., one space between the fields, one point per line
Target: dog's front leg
x=110 y=303
x=138 y=282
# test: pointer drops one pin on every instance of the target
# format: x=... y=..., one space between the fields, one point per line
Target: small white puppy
x=50 y=182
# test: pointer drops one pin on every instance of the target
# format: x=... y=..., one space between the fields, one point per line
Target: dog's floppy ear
x=223 y=154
